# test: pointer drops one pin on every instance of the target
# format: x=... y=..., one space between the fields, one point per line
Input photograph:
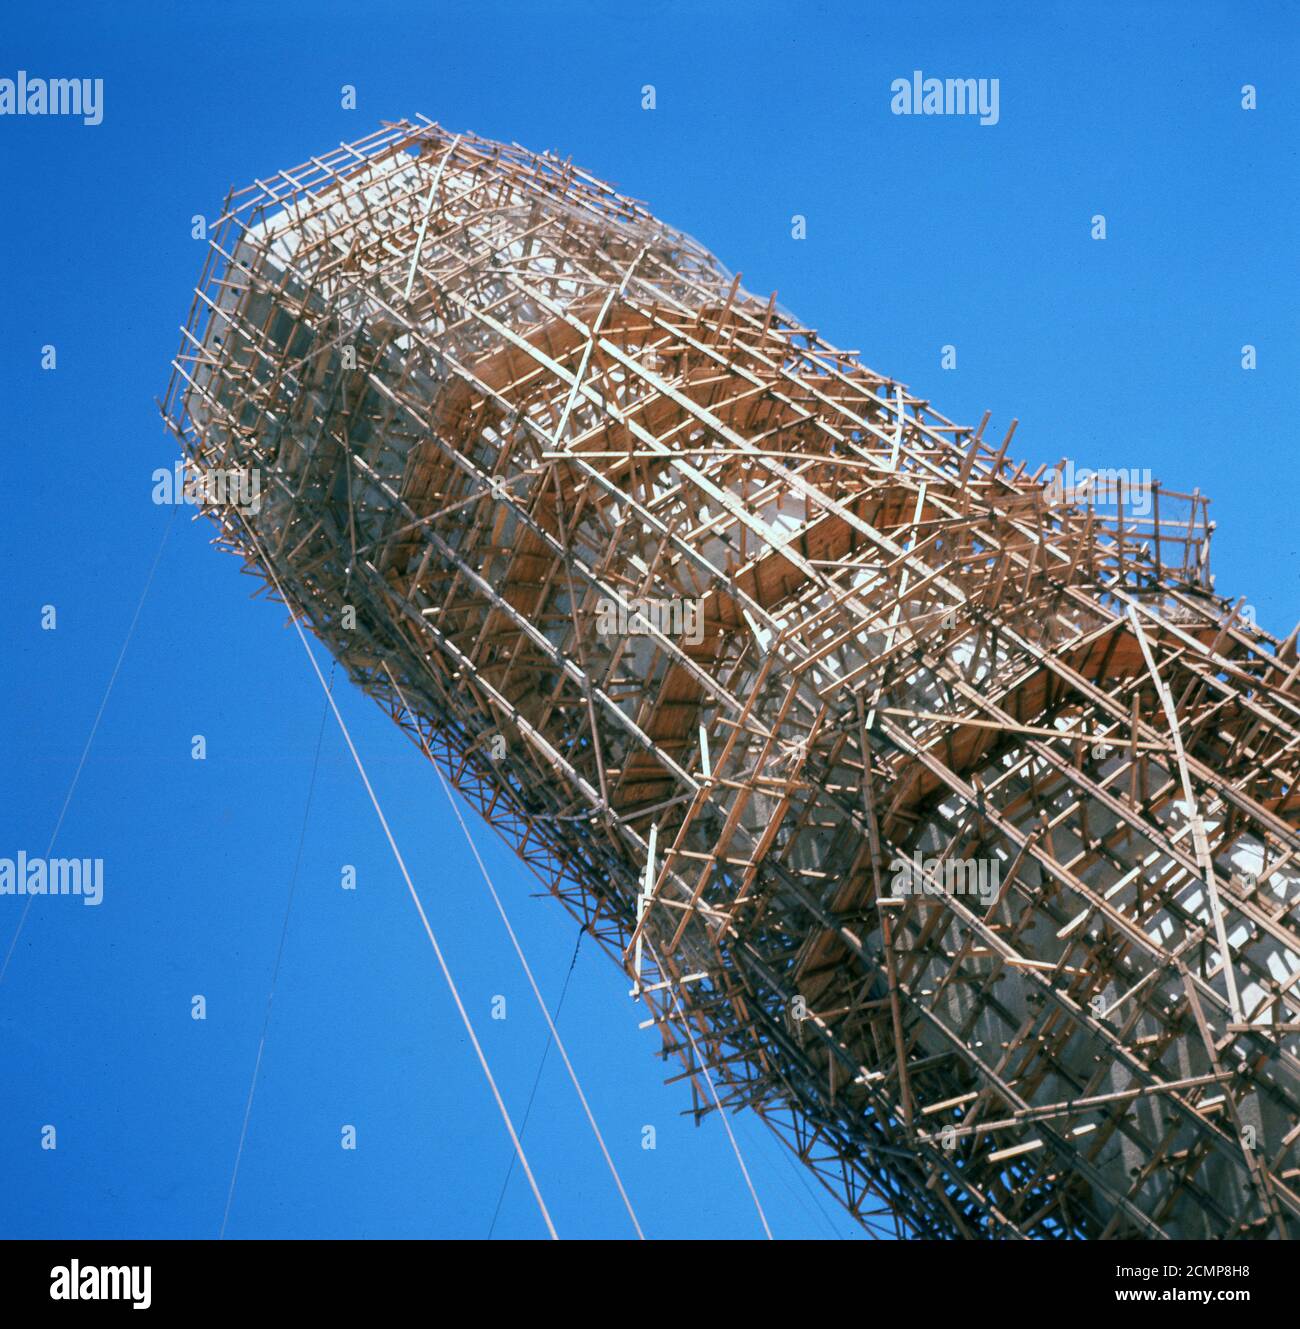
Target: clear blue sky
x=920 y=232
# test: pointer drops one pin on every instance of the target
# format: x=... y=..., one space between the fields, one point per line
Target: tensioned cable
x=94 y=729
x=519 y=951
x=537 y=1079
x=799 y=1173
x=686 y=1025
x=410 y=885
x=275 y=972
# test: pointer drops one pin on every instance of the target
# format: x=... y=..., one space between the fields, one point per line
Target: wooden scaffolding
x=496 y=407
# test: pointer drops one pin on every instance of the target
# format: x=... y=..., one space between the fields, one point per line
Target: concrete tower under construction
x=939 y=811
